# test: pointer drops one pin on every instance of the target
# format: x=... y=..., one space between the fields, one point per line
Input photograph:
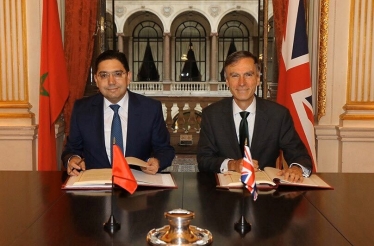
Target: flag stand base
x=242 y=226
x=112 y=225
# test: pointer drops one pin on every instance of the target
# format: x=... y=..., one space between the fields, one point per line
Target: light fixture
x=184 y=57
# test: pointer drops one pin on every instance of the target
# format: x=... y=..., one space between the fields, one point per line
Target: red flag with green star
x=54 y=87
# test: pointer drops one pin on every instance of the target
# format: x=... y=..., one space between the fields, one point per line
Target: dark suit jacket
x=147 y=135
x=273 y=131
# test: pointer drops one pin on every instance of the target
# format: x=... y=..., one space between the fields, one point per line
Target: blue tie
x=116 y=131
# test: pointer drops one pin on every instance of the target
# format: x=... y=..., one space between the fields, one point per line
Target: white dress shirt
x=108 y=117
x=237 y=118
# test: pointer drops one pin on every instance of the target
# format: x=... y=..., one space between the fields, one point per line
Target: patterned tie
x=243 y=130
x=116 y=131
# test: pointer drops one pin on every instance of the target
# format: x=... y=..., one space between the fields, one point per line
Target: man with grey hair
x=270 y=126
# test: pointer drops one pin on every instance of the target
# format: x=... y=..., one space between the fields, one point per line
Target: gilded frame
x=322 y=61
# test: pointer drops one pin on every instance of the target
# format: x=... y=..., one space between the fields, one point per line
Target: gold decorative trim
x=25 y=57
x=349 y=73
x=16 y=115
x=371 y=48
x=359 y=106
x=322 y=63
x=356 y=117
x=13 y=104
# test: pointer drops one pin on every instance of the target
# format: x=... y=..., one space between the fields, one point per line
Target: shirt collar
x=251 y=109
x=122 y=103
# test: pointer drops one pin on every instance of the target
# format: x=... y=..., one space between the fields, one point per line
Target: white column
x=120 y=41
x=213 y=58
x=166 y=58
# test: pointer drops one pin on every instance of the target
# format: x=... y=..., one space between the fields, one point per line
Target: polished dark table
x=35 y=211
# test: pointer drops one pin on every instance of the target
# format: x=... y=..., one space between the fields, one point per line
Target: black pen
x=78 y=165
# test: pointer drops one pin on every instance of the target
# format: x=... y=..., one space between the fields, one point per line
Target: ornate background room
x=176 y=51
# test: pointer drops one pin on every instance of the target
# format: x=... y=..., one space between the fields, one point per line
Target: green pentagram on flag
x=43 y=91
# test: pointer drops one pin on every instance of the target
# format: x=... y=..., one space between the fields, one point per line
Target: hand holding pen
x=75 y=165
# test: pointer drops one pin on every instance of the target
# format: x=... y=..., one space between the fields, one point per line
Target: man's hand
x=75 y=165
x=236 y=165
x=152 y=166
x=256 y=166
x=293 y=174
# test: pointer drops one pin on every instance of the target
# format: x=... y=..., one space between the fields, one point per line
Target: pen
x=78 y=165
x=80 y=162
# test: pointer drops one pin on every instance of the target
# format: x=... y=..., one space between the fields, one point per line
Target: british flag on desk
x=248 y=173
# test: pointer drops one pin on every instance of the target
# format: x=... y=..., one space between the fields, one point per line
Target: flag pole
x=111 y=226
x=242 y=226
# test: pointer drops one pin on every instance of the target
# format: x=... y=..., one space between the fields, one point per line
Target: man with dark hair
x=143 y=129
x=270 y=126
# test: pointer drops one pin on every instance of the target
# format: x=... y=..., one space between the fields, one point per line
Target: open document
x=268 y=179
x=102 y=179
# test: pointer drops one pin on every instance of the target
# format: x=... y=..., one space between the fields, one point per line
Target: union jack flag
x=294 y=85
x=248 y=173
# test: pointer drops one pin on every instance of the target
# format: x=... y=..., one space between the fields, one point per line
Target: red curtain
x=80 y=25
x=280 y=8
x=280 y=15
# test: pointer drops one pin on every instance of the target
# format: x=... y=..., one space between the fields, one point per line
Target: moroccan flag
x=248 y=173
x=54 y=87
x=294 y=85
x=121 y=171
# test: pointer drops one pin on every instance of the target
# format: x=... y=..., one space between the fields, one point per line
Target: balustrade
x=183 y=120
x=147 y=87
x=210 y=89
x=190 y=87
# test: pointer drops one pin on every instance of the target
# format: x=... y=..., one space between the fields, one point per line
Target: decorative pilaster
x=14 y=98
x=360 y=93
x=19 y=75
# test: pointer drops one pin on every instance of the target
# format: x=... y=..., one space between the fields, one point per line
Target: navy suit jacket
x=273 y=131
x=147 y=135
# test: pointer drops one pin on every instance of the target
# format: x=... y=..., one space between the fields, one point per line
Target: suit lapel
x=261 y=122
x=228 y=124
x=134 y=117
x=98 y=123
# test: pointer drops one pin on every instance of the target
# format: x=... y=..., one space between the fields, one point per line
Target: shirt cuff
x=224 y=166
x=67 y=163
x=306 y=171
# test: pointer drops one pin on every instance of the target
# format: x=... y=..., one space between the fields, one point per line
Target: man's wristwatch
x=306 y=171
